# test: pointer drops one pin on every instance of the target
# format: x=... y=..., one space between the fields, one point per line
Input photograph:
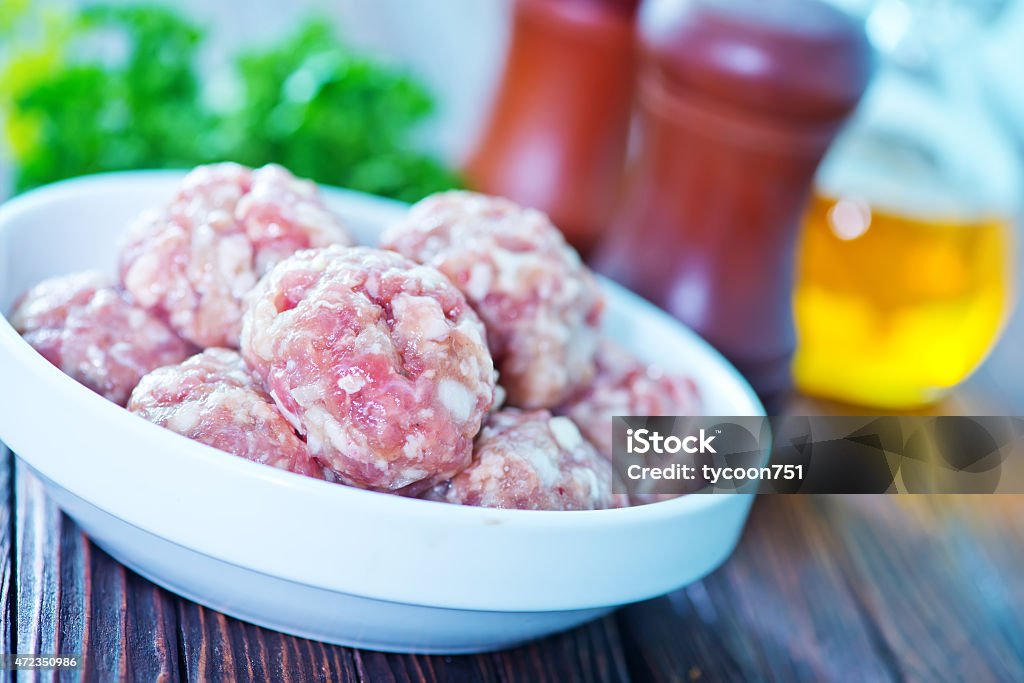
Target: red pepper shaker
x=555 y=139
x=738 y=103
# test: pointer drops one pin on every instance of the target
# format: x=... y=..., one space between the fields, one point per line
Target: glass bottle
x=904 y=280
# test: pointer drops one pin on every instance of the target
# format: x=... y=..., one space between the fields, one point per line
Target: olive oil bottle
x=893 y=309
x=904 y=277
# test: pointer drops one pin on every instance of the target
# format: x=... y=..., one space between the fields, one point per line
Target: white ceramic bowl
x=322 y=560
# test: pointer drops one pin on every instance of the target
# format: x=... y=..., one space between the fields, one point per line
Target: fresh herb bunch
x=327 y=113
x=309 y=103
x=86 y=117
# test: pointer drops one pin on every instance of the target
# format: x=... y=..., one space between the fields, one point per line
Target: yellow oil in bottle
x=894 y=310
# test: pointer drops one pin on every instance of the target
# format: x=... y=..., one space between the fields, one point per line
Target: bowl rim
x=119 y=420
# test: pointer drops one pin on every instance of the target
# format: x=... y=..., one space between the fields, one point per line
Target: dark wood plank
x=823 y=588
x=7 y=603
x=828 y=588
x=74 y=598
x=778 y=610
x=926 y=572
x=150 y=633
x=38 y=568
x=849 y=588
x=216 y=647
x=592 y=652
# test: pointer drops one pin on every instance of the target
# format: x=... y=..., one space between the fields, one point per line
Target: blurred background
x=871 y=162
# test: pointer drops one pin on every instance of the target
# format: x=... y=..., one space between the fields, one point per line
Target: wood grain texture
x=8 y=614
x=73 y=597
x=832 y=588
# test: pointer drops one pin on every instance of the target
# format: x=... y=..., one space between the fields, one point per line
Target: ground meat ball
x=620 y=499
x=282 y=215
x=539 y=302
x=377 y=360
x=212 y=398
x=627 y=386
x=215 y=187
x=193 y=261
x=531 y=461
x=93 y=333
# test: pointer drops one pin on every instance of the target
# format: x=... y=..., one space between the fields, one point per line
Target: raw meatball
x=193 y=261
x=377 y=360
x=627 y=386
x=282 y=215
x=531 y=461
x=212 y=398
x=539 y=302
x=93 y=333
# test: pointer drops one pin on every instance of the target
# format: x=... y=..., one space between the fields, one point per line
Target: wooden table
x=826 y=588
x=821 y=589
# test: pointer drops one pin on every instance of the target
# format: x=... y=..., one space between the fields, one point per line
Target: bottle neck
x=916 y=33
